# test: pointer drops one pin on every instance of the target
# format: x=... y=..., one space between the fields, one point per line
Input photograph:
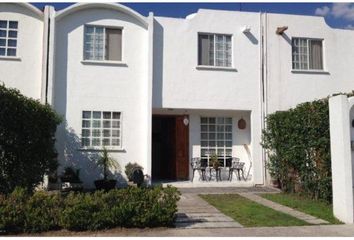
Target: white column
x=342 y=181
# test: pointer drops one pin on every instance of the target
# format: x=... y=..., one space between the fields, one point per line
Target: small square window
x=85 y=133
x=86 y=114
x=107 y=115
x=12 y=34
x=8 y=38
x=96 y=123
x=97 y=132
x=11 y=43
x=13 y=24
x=116 y=115
x=115 y=124
x=106 y=133
x=96 y=115
x=115 y=142
x=107 y=124
x=11 y=52
x=86 y=123
x=3 y=24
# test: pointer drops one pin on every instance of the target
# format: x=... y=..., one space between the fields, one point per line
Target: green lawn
x=249 y=213
x=304 y=204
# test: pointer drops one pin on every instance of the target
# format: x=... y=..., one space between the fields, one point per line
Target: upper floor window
x=8 y=38
x=214 y=50
x=101 y=129
x=307 y=54
x=102 y=43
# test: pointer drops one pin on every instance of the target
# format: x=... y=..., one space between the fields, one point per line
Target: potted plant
x=130 y=168
x=53 y=181
x=107 y=163
x=214 y=161
x=70 y=179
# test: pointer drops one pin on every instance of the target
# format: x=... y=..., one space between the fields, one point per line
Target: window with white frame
x=102 y=43
x=8 y=38
x=214 y=50
x=101 y=129
x=307 y=54
x=216 y=138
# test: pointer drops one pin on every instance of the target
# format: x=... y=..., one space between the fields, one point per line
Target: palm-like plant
x=107 y=163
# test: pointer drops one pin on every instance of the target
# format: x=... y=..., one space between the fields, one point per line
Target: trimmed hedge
x=27 y=138
x=130 y=207
x=298 y=146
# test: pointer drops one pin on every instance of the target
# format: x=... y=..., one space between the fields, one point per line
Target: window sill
x=310 y=71
x=205 y=67
x=10 y=58
x=100 y=149
x=107 y=63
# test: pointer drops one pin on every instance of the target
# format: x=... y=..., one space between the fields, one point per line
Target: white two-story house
x=162 y=91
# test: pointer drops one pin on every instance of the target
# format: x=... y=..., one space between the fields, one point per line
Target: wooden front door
x=182 y=147
x=170 y=148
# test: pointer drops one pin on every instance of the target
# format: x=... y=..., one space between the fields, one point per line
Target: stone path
x=281 y=208
x=194 y=212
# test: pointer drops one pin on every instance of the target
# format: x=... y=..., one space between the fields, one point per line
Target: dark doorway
x=169 y=148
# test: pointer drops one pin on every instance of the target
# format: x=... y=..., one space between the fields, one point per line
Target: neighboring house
x=160 y=91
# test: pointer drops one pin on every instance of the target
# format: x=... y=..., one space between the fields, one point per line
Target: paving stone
x=194 y=212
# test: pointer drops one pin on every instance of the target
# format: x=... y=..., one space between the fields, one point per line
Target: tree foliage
x=298 y=146
x=27 y=137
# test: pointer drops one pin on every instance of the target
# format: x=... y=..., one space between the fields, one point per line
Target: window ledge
x=310 y=71
x=100 y=149
x=10 y=58
x=107 y=63
x=205 y=67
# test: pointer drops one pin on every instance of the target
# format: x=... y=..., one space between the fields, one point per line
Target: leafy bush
x=129 y=169
x=130 y=207
x=42 y=212
x=12 y=211
x=27 y=137
x=298 y=146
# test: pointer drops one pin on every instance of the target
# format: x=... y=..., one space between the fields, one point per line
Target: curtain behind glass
x=315 y=47
x=204 y=49
x=114 y=44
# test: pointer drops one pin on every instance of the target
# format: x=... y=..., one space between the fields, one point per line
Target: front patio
x=204 y=148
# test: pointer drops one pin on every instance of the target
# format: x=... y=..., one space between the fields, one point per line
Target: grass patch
x=249 y=213
x=316 y=208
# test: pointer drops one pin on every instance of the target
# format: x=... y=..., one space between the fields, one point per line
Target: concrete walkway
x=298 y=231
x=194 y=212
x=281 y=208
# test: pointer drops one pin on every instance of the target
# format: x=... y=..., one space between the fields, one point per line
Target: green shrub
x=298 y=148
x=12 y=211
x=42 y=212
x=130 y=207
x=78 y=212
x=27 y=137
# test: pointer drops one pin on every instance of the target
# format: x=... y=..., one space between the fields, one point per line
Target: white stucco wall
x=287 y=89
x=178 y=84
x=341 y=113
x=81 y=86
x=25 y=71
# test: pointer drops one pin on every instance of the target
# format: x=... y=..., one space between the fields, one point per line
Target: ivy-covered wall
x=298 y=148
